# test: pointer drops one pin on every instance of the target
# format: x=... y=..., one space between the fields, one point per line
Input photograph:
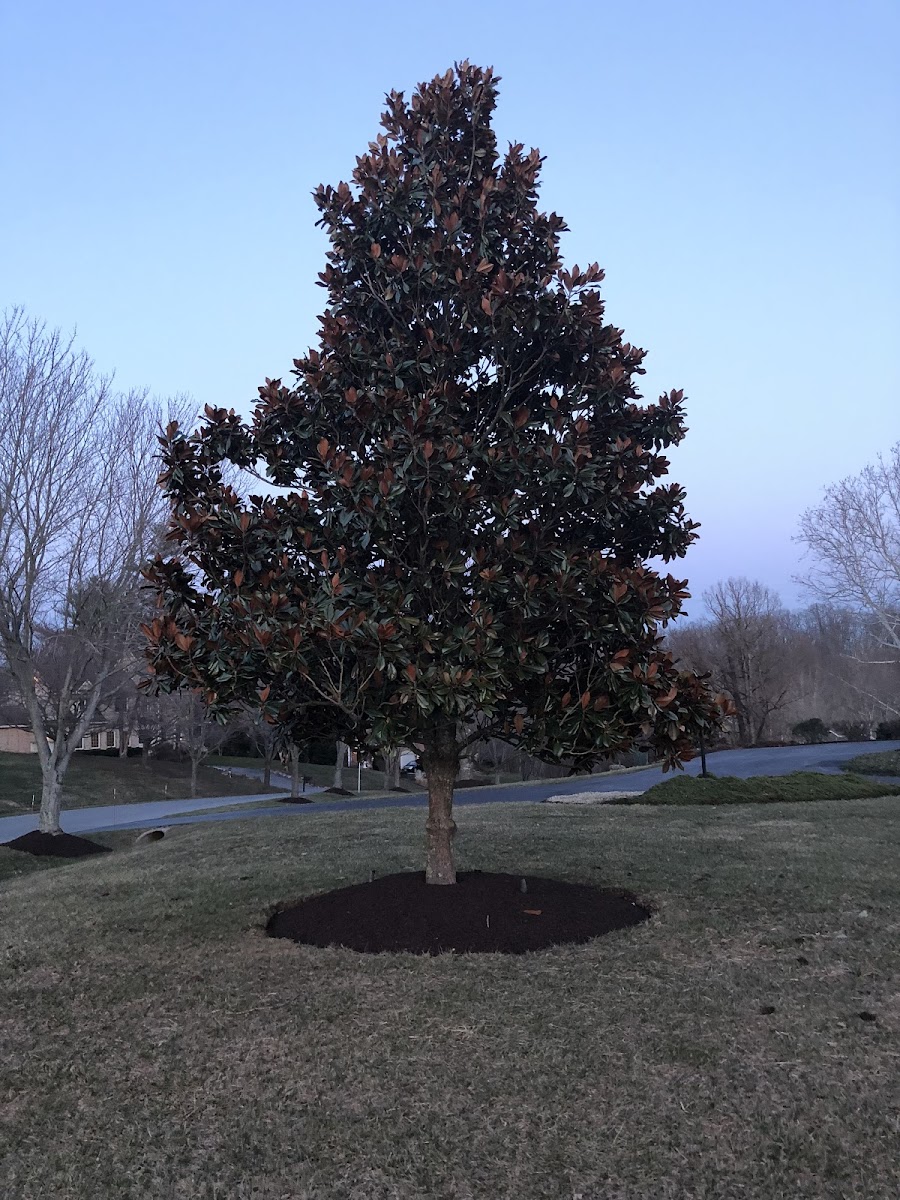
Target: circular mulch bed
x=295 y=800
x=55 y=845
x=484 y=912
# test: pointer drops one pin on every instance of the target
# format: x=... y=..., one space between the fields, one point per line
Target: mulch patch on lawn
x=55 y=845
x=296 y=800
x=483 y=912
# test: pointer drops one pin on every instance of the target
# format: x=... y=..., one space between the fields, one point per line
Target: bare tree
x=847 y=687
x=853 y=538
x=79 y=513
x=198 y=733
x=750 y=648
x=265 y=738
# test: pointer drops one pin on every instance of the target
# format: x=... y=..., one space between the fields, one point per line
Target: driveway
x=742 y=763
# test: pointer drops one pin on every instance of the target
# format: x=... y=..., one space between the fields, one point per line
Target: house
x=17 y=739
x=105 y=737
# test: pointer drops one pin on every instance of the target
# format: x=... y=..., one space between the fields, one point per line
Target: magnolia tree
x=469 y=486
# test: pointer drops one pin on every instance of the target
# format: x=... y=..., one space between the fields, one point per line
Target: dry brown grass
x=156 y=1045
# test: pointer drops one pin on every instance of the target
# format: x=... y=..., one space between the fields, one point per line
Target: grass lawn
x=157 y=1045
x=885 y=763
x=96 y=779
x=15 y=865
x=321 y=776
x=763 y=789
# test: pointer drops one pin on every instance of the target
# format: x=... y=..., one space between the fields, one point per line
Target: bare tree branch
x=79 y=514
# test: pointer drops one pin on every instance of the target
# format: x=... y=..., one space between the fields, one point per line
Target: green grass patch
x=157 y=1046
x=801 y=786
x=97 y=779
x=887 y=762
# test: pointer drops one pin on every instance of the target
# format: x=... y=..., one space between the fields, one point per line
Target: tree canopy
x=468 y=485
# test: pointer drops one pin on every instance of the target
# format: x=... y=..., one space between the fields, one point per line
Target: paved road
x=742 y=763
x=130 y=816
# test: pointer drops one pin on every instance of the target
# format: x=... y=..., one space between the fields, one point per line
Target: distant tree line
x=831 y=669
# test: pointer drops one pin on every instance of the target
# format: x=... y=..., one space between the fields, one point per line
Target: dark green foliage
x=888 y=731
x=812 y=731
x=473 y=486
x=321 y=752
x=763 y=789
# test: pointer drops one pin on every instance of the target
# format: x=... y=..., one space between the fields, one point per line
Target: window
x=110 y=739
x=95 y=741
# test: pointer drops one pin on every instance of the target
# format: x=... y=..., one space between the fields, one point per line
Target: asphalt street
x=742 y=763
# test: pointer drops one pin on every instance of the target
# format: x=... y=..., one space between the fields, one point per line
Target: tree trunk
x=51 y=800
x=126 y=714
x=340 y=757
x=267 y=769
x=194 y=764
x=295 y=772
x=54 y=762
x=392 y=770
x=441 y=762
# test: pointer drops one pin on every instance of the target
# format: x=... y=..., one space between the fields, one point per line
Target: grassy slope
x=157 y=1045
x=885 y=763
x=99 y=780
x=763 y=789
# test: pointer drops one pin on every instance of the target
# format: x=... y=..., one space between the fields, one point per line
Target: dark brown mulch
x=338 y=792
x=55 y=845
x=483 y=912
x=295 y=800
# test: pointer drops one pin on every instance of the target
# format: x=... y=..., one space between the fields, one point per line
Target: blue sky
x=733 y=167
